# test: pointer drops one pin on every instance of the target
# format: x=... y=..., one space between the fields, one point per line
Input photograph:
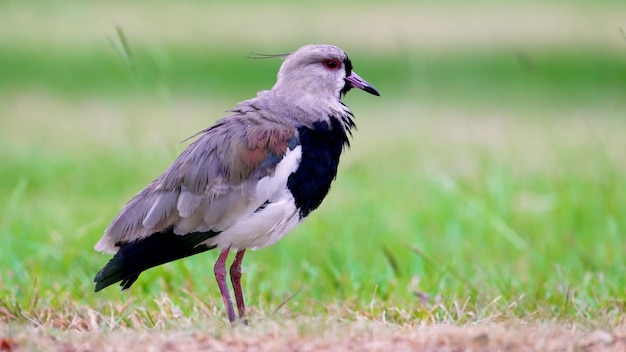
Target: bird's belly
x=261 y=228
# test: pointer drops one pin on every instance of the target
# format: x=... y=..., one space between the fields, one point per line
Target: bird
x=244 y=182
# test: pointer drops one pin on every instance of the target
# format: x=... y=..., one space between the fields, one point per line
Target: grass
x=529 y=77
x=482 y=203
x=461 y=226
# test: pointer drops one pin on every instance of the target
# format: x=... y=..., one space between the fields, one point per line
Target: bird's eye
x=332 y=64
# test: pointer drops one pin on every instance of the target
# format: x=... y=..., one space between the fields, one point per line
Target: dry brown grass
x=323 y=334
x=160 y=326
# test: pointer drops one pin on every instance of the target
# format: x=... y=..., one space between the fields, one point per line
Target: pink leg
x=235 y=278
x=220 y=276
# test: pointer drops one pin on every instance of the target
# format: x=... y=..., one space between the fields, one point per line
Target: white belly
x=262 y=228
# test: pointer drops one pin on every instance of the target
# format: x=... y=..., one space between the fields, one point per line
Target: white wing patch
x=270 y=223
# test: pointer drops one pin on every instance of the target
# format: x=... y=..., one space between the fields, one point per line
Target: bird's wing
x=211 y=184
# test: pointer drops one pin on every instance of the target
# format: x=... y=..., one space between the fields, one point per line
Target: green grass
x=531 y=77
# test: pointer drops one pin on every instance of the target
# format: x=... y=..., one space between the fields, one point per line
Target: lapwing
x=246 y=181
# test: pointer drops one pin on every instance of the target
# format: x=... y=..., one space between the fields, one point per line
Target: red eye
x=332 y=64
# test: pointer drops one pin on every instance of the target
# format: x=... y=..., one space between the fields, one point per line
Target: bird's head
x=318 y=72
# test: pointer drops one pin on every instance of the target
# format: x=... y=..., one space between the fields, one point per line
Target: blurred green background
x=491 y=169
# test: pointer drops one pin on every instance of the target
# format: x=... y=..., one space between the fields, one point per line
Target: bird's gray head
x=318 y=73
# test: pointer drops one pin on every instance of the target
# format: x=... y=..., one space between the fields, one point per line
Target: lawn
x=482 y=205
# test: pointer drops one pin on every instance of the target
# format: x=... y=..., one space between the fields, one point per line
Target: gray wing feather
x=210 y=185
x=162 y=210
x=133 y=213
x=189 y=202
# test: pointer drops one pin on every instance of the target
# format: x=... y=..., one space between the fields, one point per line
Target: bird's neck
x=308 y=109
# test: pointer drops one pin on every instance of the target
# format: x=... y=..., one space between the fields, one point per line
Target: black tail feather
x=156 y=249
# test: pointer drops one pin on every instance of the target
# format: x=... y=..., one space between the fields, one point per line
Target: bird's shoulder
x=241 y=145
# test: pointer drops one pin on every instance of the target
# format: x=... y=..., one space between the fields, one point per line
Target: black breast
x=321 y=148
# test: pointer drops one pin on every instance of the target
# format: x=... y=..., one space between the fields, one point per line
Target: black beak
x=355 y=81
